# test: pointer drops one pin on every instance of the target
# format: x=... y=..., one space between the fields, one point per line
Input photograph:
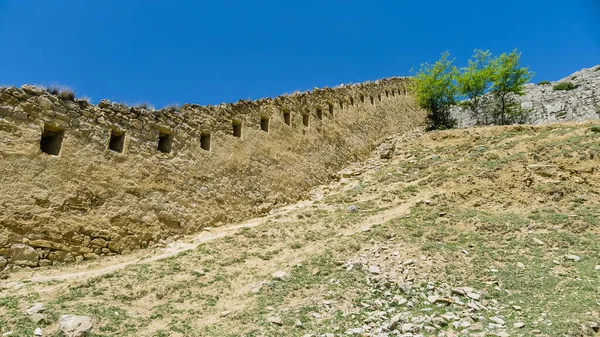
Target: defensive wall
x=78 y=181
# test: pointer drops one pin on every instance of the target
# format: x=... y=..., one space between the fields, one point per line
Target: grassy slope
x=494 y=193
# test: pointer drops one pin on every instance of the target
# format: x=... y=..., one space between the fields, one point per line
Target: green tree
x=473 y=81
x=508 y=81
x=435 y=91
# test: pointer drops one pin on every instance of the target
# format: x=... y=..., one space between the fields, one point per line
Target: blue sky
x=208 y=52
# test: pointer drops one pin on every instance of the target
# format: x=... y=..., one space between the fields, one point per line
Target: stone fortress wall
x=78 y=181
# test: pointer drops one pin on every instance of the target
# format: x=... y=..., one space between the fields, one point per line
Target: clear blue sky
x=208 y=52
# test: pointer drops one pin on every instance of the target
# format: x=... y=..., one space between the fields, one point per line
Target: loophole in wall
x=165 y=141
x=117 y=141
x=51 y=141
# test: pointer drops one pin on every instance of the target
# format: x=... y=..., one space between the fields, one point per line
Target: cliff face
x=548 y=105
x=78 y=181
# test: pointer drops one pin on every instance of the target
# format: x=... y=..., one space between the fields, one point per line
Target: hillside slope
x=472 y=232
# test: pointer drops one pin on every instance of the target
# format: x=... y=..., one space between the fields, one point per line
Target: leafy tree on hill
x=508 y=81
x=436 y=91
x=473 y=81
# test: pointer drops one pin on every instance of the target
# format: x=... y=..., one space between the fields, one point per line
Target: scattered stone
x=352 y=209
x=225 y=313
x=281 y=275
x=497 y=320
x=38 y=319
x=38 y=332
x=386 y=150
x=572 y=257
x=298 y=324
x=258 y=286
x=35 y=309
x=409 y=328
x=538 y=241
x=432 y=299
x=275 y=320
x=597 y=267
x=75 y=326
x=8 y=333
x=355 y=331
x=393 y=323
x=521 y=265
x=518 y=325
x=374 y=270
x=474 y=296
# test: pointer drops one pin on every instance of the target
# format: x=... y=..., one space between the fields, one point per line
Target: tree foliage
x=508 y=80
x=474 y=79
x=488 y=87
x=436 y=91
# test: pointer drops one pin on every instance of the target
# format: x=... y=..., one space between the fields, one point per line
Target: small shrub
x=574 y=78
x=53 y=90
x=564 y=86
x=64 y=93
x=144 y=105
x=172 y=107
x=67 y=95
x=544 y=83
x=597 y=68
x=595 y=128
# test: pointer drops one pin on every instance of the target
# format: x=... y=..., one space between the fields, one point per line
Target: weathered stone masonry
x=78 y=181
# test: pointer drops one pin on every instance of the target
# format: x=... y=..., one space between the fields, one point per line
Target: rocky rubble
x=548 y=105
x=405 y=300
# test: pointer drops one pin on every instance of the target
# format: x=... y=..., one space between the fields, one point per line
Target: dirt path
x=109 y=265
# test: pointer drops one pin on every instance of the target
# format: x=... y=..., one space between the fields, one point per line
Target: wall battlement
x=79 y=181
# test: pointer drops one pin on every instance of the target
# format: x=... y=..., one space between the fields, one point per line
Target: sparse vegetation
x=144 y=105
x=566 y=86
x=172 y=107
x=544 y=83
x=64 y=93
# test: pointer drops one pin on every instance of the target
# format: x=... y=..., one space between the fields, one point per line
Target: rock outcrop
x=547 y=105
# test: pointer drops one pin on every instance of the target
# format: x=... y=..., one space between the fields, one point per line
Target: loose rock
x=281 y=275
x=75 y=326
x=374 y=270
x=275 y=320
x=573 y=258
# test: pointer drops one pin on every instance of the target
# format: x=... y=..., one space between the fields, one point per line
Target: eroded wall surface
x=87 y=200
